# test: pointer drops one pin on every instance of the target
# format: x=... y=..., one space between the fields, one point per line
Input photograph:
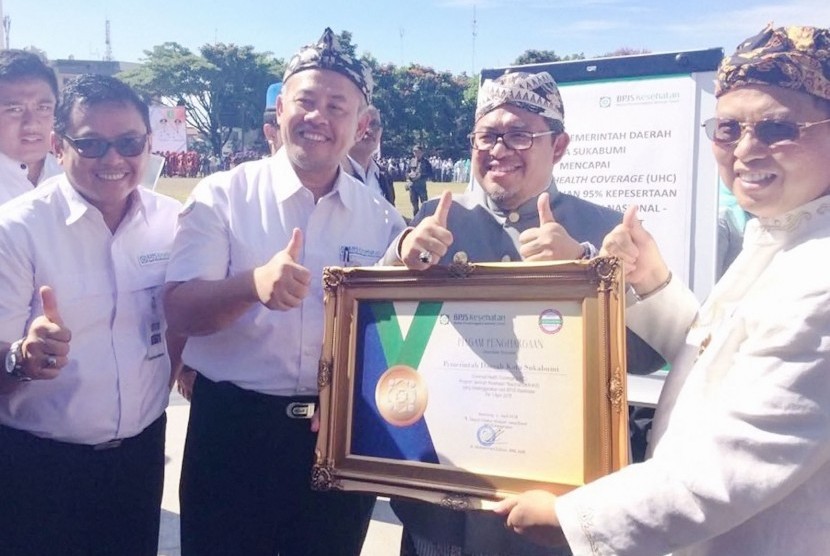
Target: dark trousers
x=74 y=500
x=245 y=484
x=417 y=195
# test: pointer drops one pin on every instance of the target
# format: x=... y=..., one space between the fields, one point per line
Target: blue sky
x=436 y=33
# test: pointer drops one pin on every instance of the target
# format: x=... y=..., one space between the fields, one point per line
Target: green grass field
x=179 y=188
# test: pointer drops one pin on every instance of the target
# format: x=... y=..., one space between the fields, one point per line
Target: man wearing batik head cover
x=515 y=213
x=741 y=437
x=245 y=284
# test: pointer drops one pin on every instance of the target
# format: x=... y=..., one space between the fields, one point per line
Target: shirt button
x=460 y=258
x=513 y=217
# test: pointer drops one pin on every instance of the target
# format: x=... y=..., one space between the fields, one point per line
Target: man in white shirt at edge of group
x=740 y=447
x=28 y=94
x=87 y=369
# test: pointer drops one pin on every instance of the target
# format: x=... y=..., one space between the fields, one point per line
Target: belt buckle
x=300 y=410
x=109 y=445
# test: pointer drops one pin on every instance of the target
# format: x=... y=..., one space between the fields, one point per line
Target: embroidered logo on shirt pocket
x=352 y=255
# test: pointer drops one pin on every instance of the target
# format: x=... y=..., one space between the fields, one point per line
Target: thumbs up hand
x=424 y=245
x=645 y=268
x=46 y=345
x=282 y=283
x=550 y=241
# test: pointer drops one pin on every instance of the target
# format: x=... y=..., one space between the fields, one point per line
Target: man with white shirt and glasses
x=82 y=335
x=28 y=93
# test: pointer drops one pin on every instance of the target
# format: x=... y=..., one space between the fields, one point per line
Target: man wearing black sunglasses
x=85 y=386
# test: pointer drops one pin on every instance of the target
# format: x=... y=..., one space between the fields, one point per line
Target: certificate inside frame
x=461 y=385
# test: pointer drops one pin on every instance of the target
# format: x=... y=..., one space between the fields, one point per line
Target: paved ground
x=384 y=532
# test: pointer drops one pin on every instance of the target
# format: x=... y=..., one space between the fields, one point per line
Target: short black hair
x=270 y=117
x=90 y=90
x=16 y=65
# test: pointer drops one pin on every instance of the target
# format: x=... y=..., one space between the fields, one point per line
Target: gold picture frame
x=461 y=385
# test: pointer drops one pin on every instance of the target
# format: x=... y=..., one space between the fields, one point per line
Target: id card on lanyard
x=154 y=333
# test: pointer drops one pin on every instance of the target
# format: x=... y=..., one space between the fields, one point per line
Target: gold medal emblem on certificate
x=401 y=396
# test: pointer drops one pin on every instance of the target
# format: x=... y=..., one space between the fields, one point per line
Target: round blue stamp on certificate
x=487 y=435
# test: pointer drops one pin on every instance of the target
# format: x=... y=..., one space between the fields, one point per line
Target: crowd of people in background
x=443 y=169
x=192 y=164
x=189 y=164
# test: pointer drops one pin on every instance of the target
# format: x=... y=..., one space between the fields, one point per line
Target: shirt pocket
x=354 y=255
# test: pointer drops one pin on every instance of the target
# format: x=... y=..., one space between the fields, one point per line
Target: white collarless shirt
x=108 y=290
x=741 y=436
x=237 y=220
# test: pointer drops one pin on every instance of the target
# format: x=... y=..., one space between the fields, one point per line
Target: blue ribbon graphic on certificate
x=390 y=394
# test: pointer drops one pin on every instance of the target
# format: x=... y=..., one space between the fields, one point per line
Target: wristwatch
x=15 y=362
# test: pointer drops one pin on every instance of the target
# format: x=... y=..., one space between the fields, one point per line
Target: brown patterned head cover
x=796 y=58
x=534 y=92
x=327 y=54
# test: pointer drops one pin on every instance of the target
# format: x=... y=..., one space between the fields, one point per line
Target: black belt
x=296 y=407
x=11 y=434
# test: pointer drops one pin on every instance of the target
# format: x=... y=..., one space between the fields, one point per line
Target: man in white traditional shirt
x=740 y=447
x=28 y=94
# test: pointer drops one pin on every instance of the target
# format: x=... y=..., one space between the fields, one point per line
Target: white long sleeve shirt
x=741 y=458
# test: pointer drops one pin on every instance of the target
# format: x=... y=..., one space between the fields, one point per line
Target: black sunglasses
x=93 y=147
x=769 y=132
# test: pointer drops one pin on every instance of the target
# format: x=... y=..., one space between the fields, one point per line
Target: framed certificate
x=464 y=384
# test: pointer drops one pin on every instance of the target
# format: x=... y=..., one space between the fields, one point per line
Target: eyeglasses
x=93 y=147
x=514 y=140
x=769 y=132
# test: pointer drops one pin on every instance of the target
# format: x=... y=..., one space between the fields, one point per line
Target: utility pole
x=4 y=31
x=475 y=33
x=401 y=33
x=108 y=43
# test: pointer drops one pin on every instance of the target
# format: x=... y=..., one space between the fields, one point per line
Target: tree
x=421 y=105
x=544 y=56
x=222 y=86
x=626 y=51
x=35 y=50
